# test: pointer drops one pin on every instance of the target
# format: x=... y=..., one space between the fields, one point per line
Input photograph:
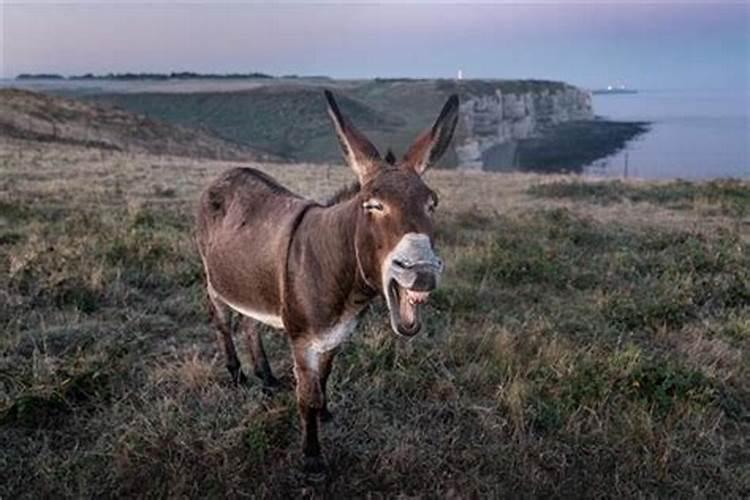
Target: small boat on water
x=621 y=89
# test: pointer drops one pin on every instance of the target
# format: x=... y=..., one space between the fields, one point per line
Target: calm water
x=693 y=134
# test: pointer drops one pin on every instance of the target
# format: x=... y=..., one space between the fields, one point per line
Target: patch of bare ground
x=576 y=348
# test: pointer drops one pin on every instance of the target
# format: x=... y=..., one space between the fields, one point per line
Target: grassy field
x=590 y=339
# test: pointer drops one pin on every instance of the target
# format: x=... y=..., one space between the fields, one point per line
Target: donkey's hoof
x=315 y=469
x=239 y=378
x=270 y=388
x=267 y=379
x=268 y=392
x=271 y=382
x=325 y=416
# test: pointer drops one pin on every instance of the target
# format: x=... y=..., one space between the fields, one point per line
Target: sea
x=692 y=135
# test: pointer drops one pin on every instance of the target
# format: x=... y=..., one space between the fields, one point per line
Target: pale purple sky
x=646 y=44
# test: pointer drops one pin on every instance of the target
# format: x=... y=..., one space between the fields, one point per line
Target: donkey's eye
x=373 y=205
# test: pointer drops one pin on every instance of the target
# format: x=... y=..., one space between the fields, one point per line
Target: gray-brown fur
x=343 y=194
x=311 y=269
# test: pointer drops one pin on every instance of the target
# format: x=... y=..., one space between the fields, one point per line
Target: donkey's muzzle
x=411 y=272
x=420 y=276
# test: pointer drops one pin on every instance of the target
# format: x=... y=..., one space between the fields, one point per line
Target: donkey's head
x=394 y=233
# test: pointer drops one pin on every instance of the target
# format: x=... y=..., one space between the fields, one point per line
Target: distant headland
x=181 y=75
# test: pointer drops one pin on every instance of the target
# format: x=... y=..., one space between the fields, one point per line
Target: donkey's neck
x=336 y=245
x=324 y=279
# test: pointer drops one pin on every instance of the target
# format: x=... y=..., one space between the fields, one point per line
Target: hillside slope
x=287 y=120
x=41 y=117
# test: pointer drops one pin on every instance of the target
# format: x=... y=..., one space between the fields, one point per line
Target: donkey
x=311 y=269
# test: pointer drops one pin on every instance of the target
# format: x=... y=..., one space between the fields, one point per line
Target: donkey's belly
x=247 y=282
x=264 y=317
x=246 y=267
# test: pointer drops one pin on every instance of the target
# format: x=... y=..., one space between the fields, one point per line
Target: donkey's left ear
x=433 y=142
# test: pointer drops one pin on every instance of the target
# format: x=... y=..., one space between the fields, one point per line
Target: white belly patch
x=268 y=319
x=265 y=318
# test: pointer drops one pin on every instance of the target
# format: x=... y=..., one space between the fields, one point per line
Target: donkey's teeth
x=417 y=297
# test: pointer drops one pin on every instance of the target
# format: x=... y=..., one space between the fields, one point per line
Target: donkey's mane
x=348 y=192
x=343 y=194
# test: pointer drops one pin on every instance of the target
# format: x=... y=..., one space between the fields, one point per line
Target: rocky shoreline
x=569 y=147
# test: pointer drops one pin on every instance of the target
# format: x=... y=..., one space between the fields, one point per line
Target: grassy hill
x=283 y=119
x=590 y=339
x=42 y=117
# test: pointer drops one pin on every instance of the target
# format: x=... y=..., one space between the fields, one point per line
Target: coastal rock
x=495 y=120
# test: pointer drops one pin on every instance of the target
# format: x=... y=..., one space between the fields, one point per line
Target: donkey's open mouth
x=404 y=306
x=412 y=272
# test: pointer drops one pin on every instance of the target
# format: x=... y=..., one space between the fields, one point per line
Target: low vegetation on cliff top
x=589 y=339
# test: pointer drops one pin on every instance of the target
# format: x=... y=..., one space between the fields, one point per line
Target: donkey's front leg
x=310 y=401
x=326 y=363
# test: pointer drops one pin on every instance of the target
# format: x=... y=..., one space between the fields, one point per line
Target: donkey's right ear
x=359 y=152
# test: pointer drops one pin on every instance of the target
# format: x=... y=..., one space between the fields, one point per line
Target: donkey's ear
x=430 y=146
x=359 y=152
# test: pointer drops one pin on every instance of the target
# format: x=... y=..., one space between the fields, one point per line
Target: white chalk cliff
x=493 y=123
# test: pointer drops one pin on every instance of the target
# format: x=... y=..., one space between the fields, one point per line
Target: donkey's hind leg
x=261 y=366
x=222 y=319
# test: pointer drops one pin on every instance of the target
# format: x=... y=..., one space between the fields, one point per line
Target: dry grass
x=576 y=348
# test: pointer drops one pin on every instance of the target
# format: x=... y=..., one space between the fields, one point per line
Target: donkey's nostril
x=426 y=281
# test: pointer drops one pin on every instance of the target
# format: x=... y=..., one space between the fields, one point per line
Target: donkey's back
x=244 y=223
